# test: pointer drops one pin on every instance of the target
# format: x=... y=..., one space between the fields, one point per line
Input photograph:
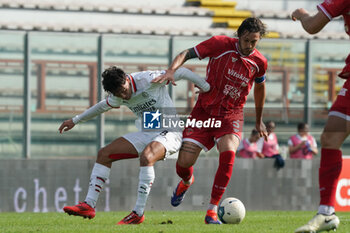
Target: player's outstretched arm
x=311 y=23
x=66 y=125
x=184 y=73
x=259 y=99
x=178 y=61
x=90 y=113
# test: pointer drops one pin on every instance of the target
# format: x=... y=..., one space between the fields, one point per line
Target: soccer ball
x=231 y=210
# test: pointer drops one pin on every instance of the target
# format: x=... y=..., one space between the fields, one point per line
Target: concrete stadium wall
x=48 y=185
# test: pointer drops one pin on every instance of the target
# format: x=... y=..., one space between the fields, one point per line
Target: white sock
x=146 y=178
x=99 y=175
x=326 y=209
x=213 y=207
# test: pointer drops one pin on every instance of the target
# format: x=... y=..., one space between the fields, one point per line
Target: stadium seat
x=211 y=3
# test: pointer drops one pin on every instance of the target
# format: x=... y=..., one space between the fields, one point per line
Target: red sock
x=184 y=173
x=330 y=168
x=222 y=177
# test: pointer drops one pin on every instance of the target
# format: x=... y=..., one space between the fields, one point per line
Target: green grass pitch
x=160 y=222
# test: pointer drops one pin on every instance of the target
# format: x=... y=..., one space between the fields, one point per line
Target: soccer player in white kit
x=139 y=94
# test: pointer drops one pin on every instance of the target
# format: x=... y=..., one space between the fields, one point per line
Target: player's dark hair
x=252 y=24
x=270 y=124
x=254 y=132
x=301 y=126
x=112 y=79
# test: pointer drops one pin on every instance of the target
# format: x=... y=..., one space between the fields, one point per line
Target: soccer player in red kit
x=234 y=66
x=337 y=127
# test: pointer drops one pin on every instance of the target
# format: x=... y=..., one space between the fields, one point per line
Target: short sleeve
x=262 y=68
x=213 y=47
x=333 y=8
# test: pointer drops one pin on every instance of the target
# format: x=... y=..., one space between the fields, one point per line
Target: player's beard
x=245 y=51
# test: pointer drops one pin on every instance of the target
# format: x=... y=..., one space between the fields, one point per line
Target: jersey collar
x=132 y=81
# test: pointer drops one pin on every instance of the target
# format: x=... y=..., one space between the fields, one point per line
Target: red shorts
x=341 y=106
x=216 y=127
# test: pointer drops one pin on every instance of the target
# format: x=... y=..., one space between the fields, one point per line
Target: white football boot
x=320 y=223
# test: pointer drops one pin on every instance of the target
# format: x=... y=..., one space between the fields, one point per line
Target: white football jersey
x=146 y=97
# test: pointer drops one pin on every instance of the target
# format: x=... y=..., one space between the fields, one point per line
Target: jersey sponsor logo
x=234 y=59
x=145 y=94
x=152 y=120
x=343 y=91
x=233 y=92
x=146 y=106
x=237 y=75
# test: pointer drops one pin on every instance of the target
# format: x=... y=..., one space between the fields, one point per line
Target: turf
x=161 y=222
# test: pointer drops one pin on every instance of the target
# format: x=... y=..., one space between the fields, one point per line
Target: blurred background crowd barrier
x=53 y=52
x=47 y=77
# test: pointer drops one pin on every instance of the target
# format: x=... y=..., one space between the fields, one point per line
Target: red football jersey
x=229 y=73
x=334 y=8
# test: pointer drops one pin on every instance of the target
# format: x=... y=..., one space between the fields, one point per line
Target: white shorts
x=170 y=140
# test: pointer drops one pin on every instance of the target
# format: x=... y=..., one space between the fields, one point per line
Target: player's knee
x=102 y=156
x=146 y=159
x=185 y=162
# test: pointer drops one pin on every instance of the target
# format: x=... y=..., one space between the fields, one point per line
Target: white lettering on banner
x=59 y=198
x=76 y=190
x=21 y=197
x=20 y=191
x=342 y=201
x=39 y=191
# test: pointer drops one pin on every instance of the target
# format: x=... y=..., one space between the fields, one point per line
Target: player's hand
x=299 y=13
x=66 y=125
x=168 y=77
x=261 y=128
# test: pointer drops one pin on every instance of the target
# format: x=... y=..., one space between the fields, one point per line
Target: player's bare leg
x=335 y=132
x=118 y=149
x=188 y=155
x=227 y=146
x=151 y=154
